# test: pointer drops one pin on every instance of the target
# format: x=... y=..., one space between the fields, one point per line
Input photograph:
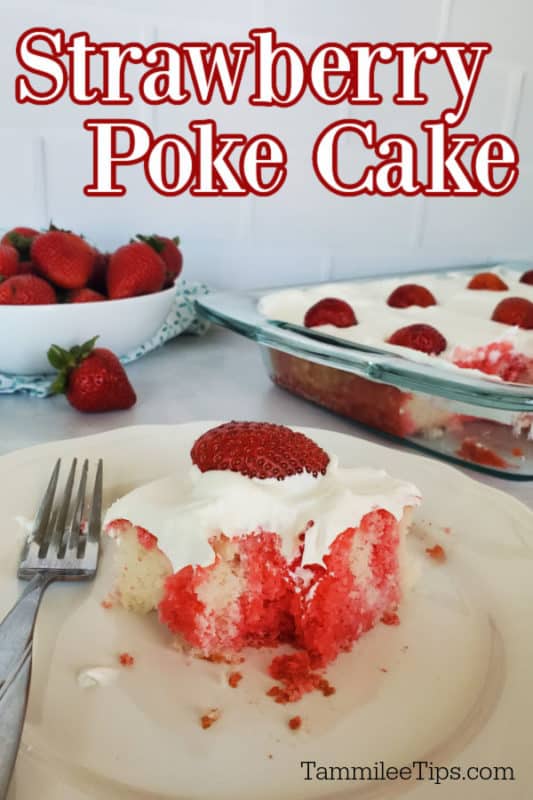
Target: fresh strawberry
x=420 y=337
x=330 y=311
x=133 y=270
x=170 y=253
x=9 y=261
x=84 y=296
x=411 y=294
x=515 y=311
x=26 y=290
x=488 y=281
x=93 y=379
x=63 y=258
x=258 y=450
x=527 y=277
x=21 y=239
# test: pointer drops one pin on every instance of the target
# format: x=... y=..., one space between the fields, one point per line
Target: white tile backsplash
x=303 y=232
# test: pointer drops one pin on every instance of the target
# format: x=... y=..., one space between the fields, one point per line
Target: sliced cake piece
x=267 y=541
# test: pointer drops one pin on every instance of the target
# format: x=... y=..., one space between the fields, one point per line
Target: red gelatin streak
x=478 y=453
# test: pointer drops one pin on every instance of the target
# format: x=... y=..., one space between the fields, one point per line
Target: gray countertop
x=217 y=376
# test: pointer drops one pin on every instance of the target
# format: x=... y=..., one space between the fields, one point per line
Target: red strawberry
x=21 y=239
x=134 y=269
x=411 y=294
x=29 y=233
x=26 y=290
x=514 y=311
x=63 y=258
x=84 y=296
x=170 y=253
x=330 y=311
x=94 y=380
x=420 y=337
x=527 y=277
x=258 y=450
x=9 y=261
x=488 y=281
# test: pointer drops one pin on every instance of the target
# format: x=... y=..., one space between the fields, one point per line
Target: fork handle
x=16 y=635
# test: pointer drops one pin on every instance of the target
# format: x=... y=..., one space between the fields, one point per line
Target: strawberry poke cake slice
x=267 y=540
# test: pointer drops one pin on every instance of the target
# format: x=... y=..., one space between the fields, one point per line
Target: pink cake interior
x=251 y=597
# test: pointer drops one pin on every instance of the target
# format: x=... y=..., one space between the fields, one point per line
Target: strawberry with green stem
x=92 y=378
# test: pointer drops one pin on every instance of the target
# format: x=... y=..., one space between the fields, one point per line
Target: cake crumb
x=447 y=530
x=295 y=723
x=126 y=659
x=437 y=553
x=206 y=720
x=390 y=618
x=383 y=669
x=297 y=678
x=517 y=452
x=325 y=687
x=270 y=756
x=106 y=604
x=234 y=678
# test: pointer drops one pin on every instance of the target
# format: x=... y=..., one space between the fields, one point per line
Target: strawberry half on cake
x=266 y=541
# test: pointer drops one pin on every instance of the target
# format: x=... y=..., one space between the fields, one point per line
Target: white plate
x=456 y=691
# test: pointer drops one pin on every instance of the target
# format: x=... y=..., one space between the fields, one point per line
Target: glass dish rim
x=237 y=311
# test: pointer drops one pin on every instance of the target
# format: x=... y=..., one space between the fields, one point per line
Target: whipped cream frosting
x=462 y=315
x=184 y=513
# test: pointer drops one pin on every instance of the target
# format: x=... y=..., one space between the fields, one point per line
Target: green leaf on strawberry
x=66 y=360
x=153 y=241
x=22 y=244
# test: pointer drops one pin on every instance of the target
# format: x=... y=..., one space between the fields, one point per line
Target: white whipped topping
x=92 y=677
x=184 y=513
x=463 y=316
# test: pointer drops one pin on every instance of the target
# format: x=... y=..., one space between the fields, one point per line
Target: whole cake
x=266 y=541
x=481 y=321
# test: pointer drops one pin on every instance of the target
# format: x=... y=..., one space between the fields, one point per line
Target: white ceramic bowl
x=26 y=332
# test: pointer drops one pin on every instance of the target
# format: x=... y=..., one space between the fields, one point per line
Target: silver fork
x=58 y=549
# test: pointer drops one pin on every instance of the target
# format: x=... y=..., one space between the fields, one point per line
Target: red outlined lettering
x=164 y=83
x=44 y=64
x=156 y=166
x=397 y=174
x=464 y=75
x=116 y=57
x=172 y=165
x=107 y=157
x=326 y=156
x=264 y=152
x=215 y=174
x=447 y=175
x=327 y=62
x=268 y=54
x=496 y=152
x=367 y=57
x=410 y=59
x=79 y=49
x=397 y=171
x=217 y=66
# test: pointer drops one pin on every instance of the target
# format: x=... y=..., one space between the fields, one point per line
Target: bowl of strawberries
x=56 y=288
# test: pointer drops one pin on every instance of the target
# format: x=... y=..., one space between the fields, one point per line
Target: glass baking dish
x=458 y=415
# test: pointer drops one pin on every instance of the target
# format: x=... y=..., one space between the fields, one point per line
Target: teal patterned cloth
x=181 y=319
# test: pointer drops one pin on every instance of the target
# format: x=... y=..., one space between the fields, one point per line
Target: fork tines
x=64 y=543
